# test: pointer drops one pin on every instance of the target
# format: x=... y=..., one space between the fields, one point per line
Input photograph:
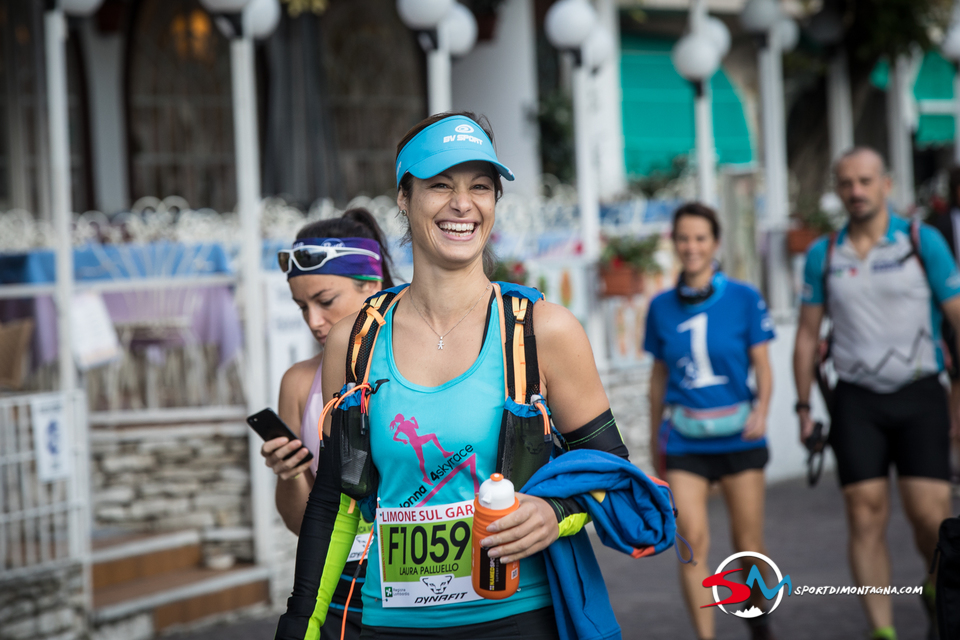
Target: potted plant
x=625 y=260
x=814 y=222
x=509 y=271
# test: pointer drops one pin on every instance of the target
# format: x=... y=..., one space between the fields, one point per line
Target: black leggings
x=532 y=625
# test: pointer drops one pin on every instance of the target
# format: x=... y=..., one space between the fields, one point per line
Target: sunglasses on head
x=310 y=257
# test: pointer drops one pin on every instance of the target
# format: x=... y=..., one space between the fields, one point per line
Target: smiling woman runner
x=435 y=408
x=705 y=335
x=333 y=266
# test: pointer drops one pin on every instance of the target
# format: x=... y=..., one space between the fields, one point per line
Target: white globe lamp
x=716 y=31
x=461 y=28
x=759 y=16
x=695 y=57
x=80 y=8
x=224 y=6
x=421 y=15
x=261 y=18
x=569 y=23
x=598 y=48
x=789 y=32
x=951 y=43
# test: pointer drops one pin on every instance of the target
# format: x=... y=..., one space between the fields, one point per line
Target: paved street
x=805 y=537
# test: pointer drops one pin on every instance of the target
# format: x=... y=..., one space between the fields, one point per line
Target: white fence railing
x=44 y=482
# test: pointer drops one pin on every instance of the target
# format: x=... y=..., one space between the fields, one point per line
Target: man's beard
x=865 y=216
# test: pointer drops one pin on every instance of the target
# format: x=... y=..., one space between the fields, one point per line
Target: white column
x=248 y=207
x=706 y=145
x=775 y=161
x=901 y=145
x=586 y=170
x=839 y=107
x=438 y=74
x=611 y=166
x=55 y=33
x=588 y=199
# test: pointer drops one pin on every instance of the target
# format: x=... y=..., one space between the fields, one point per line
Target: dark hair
x=354 y=223
x=700 y=211
x=953 y=185
x=406 y=182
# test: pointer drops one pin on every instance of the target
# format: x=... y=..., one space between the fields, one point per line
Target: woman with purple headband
x=332 y=267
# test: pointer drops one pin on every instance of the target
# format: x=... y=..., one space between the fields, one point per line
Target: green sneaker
x=884 y=633
x=929 y=599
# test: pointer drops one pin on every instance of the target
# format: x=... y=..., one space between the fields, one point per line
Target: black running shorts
x=909 y=428
x=714 y=466
x=532 y=625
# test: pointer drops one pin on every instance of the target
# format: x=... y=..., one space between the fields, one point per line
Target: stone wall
x=46 y=605
x=627 y=390
x=173 y=477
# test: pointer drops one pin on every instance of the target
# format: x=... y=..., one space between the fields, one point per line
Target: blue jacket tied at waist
x=631 y=512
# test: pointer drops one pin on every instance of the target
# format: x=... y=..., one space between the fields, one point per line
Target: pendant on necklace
x=440 y=344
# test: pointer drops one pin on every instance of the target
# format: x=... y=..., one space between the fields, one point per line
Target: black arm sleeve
x=317 y=549
x=600 y=434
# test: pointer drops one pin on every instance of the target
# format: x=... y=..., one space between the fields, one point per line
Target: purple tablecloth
x=214 y=318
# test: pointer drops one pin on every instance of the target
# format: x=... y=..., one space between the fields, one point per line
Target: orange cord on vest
x=335 y=402
x=346 y=607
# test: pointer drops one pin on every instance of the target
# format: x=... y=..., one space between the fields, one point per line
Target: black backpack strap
x=521 y=368
x=366 y=328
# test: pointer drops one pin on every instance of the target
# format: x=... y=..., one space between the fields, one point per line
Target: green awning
x=658 y=120
x=934 y=82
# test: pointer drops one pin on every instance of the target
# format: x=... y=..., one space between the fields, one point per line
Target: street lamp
x=763 y=19
x=446 y=29
x=568 y=25
x=571 y=27
x=696 y=57
x=55 y=38
x=826 y=28
x=248 y=19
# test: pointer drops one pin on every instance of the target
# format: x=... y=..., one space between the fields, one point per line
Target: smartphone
x=269 y=426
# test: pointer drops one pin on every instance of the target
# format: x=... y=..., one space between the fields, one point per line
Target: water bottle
x=491 y=578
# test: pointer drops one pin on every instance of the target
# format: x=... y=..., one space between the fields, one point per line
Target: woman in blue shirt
x=704 y=336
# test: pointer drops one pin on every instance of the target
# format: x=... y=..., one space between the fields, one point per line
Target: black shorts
x=714 y=466
x=532 y=625
x=909 y=428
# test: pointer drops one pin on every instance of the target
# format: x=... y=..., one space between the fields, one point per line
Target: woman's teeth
x=460 y=229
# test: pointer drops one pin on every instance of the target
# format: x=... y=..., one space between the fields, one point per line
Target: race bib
x=360 y=542
x=425 y=555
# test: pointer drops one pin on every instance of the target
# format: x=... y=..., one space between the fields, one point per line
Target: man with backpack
x=885 y=283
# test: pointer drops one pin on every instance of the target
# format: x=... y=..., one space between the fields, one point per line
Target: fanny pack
x=710 y=423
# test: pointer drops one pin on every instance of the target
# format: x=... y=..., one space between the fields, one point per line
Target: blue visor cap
x=444 y=144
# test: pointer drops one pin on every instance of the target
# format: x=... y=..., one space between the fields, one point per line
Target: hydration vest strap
x=363 y=337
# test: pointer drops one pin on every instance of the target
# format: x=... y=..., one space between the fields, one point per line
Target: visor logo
x=464 y=128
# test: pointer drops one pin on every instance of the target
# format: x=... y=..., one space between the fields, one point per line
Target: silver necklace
x=448 y=331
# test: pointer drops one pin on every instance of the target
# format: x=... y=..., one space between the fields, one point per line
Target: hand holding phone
x=269 y=426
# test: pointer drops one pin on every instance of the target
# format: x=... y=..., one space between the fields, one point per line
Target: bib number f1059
x=425 y=555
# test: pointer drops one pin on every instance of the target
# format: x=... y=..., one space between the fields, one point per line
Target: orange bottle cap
x=496 y=477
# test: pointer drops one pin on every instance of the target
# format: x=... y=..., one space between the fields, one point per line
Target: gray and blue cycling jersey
x=885 y=308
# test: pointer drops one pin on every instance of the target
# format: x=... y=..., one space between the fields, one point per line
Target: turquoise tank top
x=433 y=446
